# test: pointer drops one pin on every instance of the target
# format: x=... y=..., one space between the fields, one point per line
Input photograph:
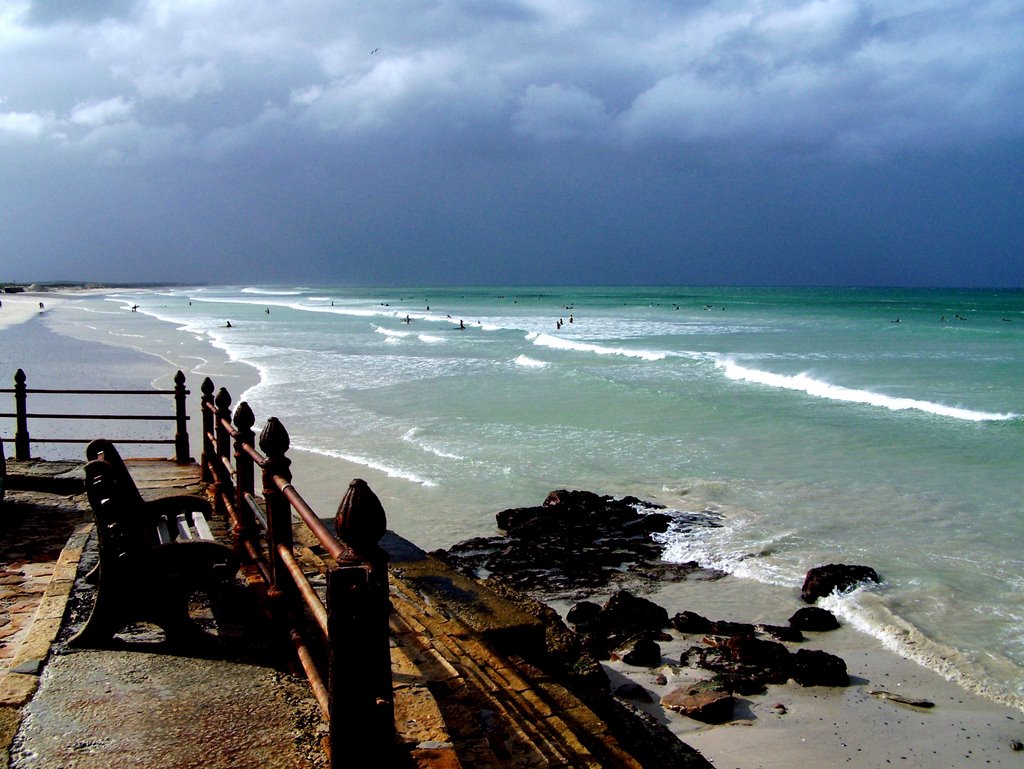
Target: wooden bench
x=156 y=509
x=152 y=557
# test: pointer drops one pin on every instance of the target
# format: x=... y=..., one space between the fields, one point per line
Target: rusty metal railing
x=351 y=677
x=21 y=415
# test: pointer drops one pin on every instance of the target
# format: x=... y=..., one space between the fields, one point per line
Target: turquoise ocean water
x=806 y=425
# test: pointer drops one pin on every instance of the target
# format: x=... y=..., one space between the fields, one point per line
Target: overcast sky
x=856 y=142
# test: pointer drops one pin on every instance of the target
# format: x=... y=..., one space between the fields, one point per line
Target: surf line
x=820 y=389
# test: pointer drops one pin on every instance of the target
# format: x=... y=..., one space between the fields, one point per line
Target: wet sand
x=80 y=339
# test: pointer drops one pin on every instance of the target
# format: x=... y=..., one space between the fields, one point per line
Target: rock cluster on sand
x=578 y=543
x=575 y=541
x=738 y=659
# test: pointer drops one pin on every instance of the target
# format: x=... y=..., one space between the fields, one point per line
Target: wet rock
x=749 y=664
x=583 y=613
x=813 y=618
x=702 y=704
x=575 y=544
x=625 y=613
x=727 y=628
x=645 y=653
x=824 y=580
x=634 y=692
x=691 y=622
x=785 y=633
x=812 y=667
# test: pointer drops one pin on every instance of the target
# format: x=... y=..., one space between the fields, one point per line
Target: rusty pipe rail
x=351 y=624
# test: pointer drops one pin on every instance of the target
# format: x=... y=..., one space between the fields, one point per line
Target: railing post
x=358 y=605
x=222 y=447
x=181 y=449
x=21 y=440
x=206 y=407
x=274 y=442
x=245 y=481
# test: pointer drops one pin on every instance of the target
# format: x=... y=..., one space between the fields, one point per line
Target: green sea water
x=871 y=426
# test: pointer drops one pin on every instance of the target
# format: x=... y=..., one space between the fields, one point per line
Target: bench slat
x=184 y=532
x=163 y=532
x=201 y=526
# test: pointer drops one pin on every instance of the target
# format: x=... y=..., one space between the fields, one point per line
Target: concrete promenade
x=458 y=701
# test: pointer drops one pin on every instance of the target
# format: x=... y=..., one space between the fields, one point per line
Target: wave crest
x=821 y=389
x=559 y=343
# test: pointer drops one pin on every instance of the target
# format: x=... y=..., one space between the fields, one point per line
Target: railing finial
x=361 y=520
x=274 y=440
x=243 y=418
x=207 y=387
x=223 y=400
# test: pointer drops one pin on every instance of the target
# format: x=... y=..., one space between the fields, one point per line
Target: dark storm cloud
x=637 y=122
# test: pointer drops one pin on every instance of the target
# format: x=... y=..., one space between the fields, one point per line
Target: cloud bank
x=821 y=141
x=819 y=76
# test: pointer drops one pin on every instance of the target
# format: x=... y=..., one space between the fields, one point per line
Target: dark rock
x=746 y=665
x=701 y=704
x=576 y=543
x=517 y=518
x=660 y=679
x=691 y=622
x=824 y=580
x=692 y=656
x=634 y=692
x=812 y=667
x=785 y=633
x=645 y=653
x=813 y=618
x=648 y=524
x=583 y=613
x=724 y=627
x=626 y=613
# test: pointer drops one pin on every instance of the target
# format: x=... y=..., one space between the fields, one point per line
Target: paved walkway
x=458 y=701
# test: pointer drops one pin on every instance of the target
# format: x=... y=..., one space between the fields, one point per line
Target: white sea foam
x=388 y=470
x=391 y=333
x=526 y=362
x=431 y=339
x=865 y=611
x=270 y=291
x=820 y=389
x=560 y=343
x=703 y=536
x=412 y=436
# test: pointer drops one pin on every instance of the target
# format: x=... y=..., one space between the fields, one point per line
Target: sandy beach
x=18 y=308
x=80 y=340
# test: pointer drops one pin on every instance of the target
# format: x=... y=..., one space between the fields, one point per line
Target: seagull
x=374 y=51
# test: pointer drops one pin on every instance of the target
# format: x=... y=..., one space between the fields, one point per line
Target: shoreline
x=823 y=726
x=820 y=726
